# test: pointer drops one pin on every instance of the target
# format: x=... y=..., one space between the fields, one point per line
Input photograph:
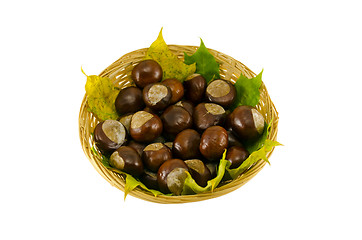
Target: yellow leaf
x=172 y=66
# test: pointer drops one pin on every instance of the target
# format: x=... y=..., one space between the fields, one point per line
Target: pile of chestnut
x=168 y=127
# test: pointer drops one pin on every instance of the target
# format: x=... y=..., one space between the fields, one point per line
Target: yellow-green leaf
x=191 y=187
x=172 y=66
x=253 y=158
x=101 y=94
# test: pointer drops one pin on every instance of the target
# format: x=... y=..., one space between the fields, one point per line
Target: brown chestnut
x=169 y=145
x=199 y=172
x=126 y=120
x=129 y=100
x=171 y=176
x=207 y=115
x=195 y=86
x=149 y=179
x=236 y=155
x=221 y=92
x=145 y=126
x=137 y=146
x=146 y=72
x=187 y=105
x=186 y=145
x=128 y=160
x=233 y=140
x=212 y=166
x=214 y=141
x=177 y=89
x=157 y=96
x=154 y=155
x=247 y=123
x=160 y=139
x=109 y=135
x=175 y=119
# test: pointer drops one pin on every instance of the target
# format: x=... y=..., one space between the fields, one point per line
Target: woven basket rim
x=118 y=181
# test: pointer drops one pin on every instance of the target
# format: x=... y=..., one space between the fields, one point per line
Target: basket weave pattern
x=120 y=71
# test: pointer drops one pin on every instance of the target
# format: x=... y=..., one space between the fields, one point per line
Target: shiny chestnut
x=186 y=145
x=207 y=115
x=157 y=96
x=236 y=155
x=146 y=72
x=177 y=89
x=247 y=123
x=171 y=176
x=195 y=86
x=221 y=92
x=128 y=160
x=129 y=100
x=154 y=155
x=199 y=172
x=126 y=120
x=145 y=126
x=214 y=141
x=137 y=146
x=212 y=166
x=188 y=105
x=109 y=135
x=149 y=179
x=175 y=119
x=233 y=140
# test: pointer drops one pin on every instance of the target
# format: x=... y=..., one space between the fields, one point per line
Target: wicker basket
x=119 y=72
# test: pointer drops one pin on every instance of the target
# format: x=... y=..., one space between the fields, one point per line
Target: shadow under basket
x=120 y=71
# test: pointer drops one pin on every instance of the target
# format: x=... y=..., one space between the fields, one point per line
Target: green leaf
x=247 y=91
x=191 y=187
x=172 y=66
x=253 y=158
x=101 y=94
x=206 y=64
x=131 y=182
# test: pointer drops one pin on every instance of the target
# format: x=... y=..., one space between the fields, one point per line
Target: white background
x=311 y=55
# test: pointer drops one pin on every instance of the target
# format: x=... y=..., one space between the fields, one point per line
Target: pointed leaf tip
x=81 y=68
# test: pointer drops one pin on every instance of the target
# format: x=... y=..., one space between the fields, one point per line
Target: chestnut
x=128 y=160
x=186 y=145
x=214 y=141
x=129 y=100
x=247 y=123
x=233 y=140
x=146 y=72
x=195 y=86
x=236 y=155
x=154 y=155
x=177 y=89
x=145 y=126
x=199 y=172
x=221 y=92
x=169 y=145
x=126 y=120
x=157 y=96
x=109 y=135
x=149 y=179
x=160 y=139
x=171 y=176
x=212 y=166
x=175 y=119
x=187 y=105
x=207 y=115
x=137 y=146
